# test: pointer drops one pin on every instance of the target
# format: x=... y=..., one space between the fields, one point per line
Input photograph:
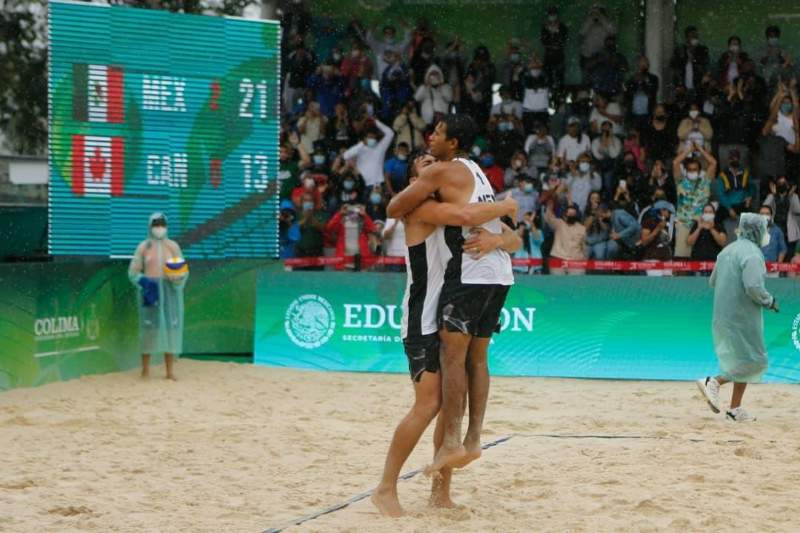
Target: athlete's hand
x=512 y=206
x=481 y=242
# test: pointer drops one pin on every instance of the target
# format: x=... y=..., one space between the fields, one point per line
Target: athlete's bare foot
x=446 y=457
x=145 y=374
x=387 y=503
x=442 y=501
x=172 y=377
x=473 y=453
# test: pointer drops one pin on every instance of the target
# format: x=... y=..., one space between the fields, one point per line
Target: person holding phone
x=694 y=192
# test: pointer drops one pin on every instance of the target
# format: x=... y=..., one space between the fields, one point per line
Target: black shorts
x=472 y=309
x=423 y=354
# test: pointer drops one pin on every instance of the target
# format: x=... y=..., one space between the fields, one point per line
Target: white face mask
x=708 y=217
x=692 y=175
x=694 y=113
x=158 y=232
x=765 y=240
x=584 y=167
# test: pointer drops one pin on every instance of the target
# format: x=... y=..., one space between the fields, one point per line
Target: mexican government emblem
x=309 y=321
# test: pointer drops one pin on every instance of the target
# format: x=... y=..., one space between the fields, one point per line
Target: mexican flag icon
x=97 y=93
x=98 y=165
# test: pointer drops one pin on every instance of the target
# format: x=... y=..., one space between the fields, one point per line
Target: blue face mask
x=528 y=187
x=348 y=185
x=487 y=161
x=375 y=198
x=371 y=142
x=505 y=126
x=786 y=108
x=366 y=83
x=319 y=160
x=308 y=206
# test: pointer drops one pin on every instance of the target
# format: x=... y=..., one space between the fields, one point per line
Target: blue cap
x=663 y=204
x=287 y=204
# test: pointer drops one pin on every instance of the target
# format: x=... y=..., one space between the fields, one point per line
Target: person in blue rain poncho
x=738 y=324
x=160 y=297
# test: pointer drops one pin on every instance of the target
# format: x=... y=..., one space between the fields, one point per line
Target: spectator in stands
x=785 y=206
x=395 y=87
x=634 y=147
x=347 y=185
x=480 y=75
x=739 y=122
x=422 y=58
x=351 y=228
x=339 y=132
x=782 y=121
x=734 y=188
x=554 y=39
x=394 y=242
x=582 y=180
x=606 y=149
x=775 y=251
x=517 y=167
x=694 y=192
x=298 y=65
x=540 y=147
x=707 y=237
x=370 y=153
x=376 y=203
x=597 y=232
x=659 y=137
x=659 y=179
x=511 y=71
x=396 y=169
x=493 y=171
x=532 y=239
x=570 y=236
x=526 y=195
x=695 y=129
x=507 y=105
x=596 y=29
x=308 y=186
x=574 y=143
x=655 y=242
x=312 y=228
x=606 y=110
x=434 y=95
x=328 y=87
x=629 y=174
x=536 y=95
x=608 y=68
x=505 y=135
x=363 y=105
x=453 y=68
x=621 y=232
x=288 y=230
x=690 y=61
x=311 y=126
x=773 y=58
x=730 y=62
x=356 y=66
x=409 y=127
x=641 y=92
x=289 y=172
x=660 y=199
x=386 y=46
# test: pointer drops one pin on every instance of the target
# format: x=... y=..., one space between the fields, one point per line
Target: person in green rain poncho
x=738 y=324
x=160 y=298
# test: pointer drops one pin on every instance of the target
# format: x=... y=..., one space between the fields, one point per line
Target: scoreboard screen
x=156 y=111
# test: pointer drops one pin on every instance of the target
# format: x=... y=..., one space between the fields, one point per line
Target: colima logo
x=56 y=325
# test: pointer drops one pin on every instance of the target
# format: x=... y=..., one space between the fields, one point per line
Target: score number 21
x=253 y=91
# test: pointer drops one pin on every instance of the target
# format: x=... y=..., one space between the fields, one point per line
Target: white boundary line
x=64 y=352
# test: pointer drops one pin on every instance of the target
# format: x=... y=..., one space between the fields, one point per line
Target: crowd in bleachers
x=603 y=169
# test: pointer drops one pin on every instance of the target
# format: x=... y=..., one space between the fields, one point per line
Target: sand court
x=234 y=447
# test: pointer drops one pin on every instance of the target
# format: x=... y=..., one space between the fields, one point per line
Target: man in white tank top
x=425 y=267
x=475 y=287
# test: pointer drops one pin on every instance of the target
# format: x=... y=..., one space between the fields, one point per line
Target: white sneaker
x=739 y=415
x=710 y=389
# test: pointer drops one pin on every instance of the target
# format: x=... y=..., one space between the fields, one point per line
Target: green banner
x=616 y=327
x=60 y=321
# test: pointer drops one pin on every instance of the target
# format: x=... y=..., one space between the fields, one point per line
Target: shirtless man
x=474 y=290
x=425 y=267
